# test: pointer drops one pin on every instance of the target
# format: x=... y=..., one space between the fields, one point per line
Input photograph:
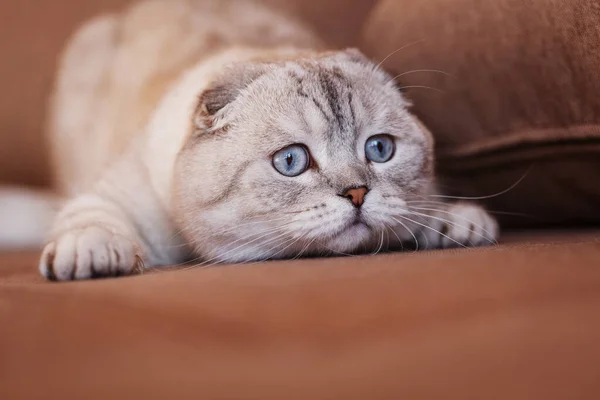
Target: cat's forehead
x=328 y=104
x=330 y=101
x=332 y=73
x=324 y=115
x=327 y=76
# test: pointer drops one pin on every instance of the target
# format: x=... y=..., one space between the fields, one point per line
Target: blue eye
x=292 y=160
x=380 y=148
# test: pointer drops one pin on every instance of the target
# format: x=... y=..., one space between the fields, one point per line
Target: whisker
x=297 y=212
x=424 y=70
x=379 y=245
x=397 y=50
x=268 y=241
x=295 y=240
x=233 y=228
x=340 y=253
x=266 y=252
x=177 y=233
x=426 y=216
x=262 y=235
x=387 y=235
x=514 y=214
x=263 y=256
x=491 y=196
x=421 y=87
x=304 y=249
x=454 y=223
x=409 y=231
x=433 y=229
x=427 y=201
x=375 y=250
x=395 y=234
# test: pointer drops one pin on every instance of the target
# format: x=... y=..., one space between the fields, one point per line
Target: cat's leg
x=117 y=227
x=92 y=237
x=460 y=224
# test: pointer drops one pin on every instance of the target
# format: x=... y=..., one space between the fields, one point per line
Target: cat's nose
x=356 y=195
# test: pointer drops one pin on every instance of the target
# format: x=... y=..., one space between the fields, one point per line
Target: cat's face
x=313 y=156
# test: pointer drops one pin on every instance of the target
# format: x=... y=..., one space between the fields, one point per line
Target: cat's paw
x=461 y=225
x=89 y=252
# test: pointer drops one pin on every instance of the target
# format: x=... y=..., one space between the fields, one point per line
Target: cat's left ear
x=223 y=90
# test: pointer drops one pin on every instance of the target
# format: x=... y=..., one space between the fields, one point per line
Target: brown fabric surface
x=32 y=34
x=517 y=88
x=518 y=321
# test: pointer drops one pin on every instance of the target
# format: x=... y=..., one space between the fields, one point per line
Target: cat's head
x=316 y=155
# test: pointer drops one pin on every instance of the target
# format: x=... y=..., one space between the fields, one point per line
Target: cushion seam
x=548 y=137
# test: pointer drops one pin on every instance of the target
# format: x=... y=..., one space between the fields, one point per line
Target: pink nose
x=356 y=195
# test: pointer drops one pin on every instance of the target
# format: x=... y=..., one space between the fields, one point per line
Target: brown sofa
x=515 y=106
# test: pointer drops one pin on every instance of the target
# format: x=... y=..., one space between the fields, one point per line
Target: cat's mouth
x=358 y=222
x=353 y=226
x=351 y=236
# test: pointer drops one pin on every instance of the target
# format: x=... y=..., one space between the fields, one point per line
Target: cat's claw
x=90 y=252
x=461 y=225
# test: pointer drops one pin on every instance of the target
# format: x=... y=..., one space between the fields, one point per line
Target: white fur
x=25 y=217
x=155 y=178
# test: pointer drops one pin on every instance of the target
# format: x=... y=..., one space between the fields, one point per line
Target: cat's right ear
x=224 y=90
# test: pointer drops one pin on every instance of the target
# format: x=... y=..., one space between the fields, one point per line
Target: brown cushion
x=518 y=95
x=518 y=321
x=32 y=34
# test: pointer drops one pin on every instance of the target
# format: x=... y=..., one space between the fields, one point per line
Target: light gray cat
x=222 y=132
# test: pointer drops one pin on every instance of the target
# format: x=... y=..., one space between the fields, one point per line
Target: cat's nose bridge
x=344 y=176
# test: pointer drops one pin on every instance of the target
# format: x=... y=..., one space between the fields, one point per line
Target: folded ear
x=224 y=89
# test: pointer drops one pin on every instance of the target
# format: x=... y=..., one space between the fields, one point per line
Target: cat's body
x=167 y=127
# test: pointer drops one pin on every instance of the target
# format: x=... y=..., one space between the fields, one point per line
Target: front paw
x=90 y=252
x=461 y=225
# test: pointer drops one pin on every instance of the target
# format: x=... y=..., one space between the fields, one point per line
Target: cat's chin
x=351 y=238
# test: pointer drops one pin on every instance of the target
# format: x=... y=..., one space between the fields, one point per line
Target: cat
x=227 y=132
